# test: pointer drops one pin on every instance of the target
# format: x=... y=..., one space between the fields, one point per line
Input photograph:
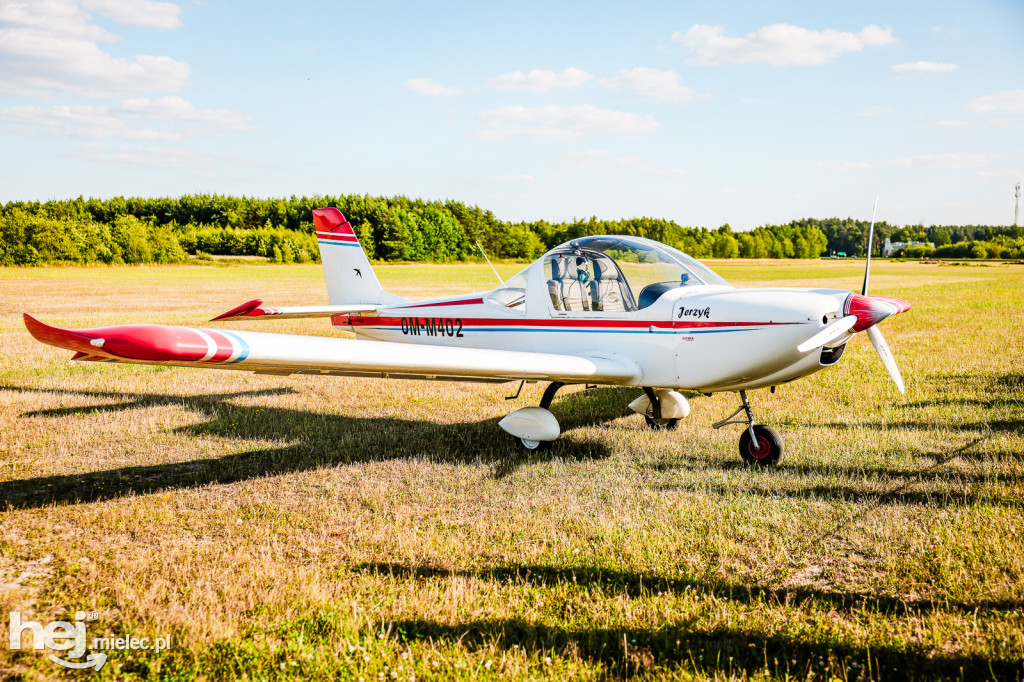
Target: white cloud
x=948 y=124
x=662 y=85
x=168 y=118
x=631 y=164
x=539 y=80
x=427 y=86
x=155 y=158
x=49 y=46
x=82 y=122
x=57 y=17
x=146 y=13
x=1011 y=101
x=779 y=44
x=1010 y=175
x=556 y=123
x=1005 y=122
x=925 y=67
x=952 y=161
x=181 y=112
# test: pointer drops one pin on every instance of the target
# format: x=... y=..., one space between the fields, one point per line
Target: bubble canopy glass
x=643 y=270
x=624 y=249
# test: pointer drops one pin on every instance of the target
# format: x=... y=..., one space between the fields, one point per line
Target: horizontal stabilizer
x=256 y=309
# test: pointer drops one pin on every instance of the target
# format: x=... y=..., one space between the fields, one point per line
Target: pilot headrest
x=603 y=269
x=559 y=267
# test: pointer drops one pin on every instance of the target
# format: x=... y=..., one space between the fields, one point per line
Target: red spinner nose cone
x=870 y=310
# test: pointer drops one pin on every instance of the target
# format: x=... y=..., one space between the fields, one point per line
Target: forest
x=400 y=229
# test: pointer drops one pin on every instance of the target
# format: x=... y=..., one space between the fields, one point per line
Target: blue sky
x=702 y=112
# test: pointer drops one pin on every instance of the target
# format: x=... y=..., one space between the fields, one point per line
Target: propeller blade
x=829 y=333
x=878 y=341
x=871 y=238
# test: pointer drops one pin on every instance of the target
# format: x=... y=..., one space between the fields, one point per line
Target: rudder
x=347 y=270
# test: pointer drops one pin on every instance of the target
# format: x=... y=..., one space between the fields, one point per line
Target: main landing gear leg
x=759 y=444
x=549 y=393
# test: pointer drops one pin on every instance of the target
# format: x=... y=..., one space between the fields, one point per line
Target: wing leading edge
x=268 y=353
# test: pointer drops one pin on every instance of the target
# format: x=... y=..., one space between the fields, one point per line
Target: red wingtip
x=137 y=342
x=329 y=220
x=240 y=311
x=62 y=338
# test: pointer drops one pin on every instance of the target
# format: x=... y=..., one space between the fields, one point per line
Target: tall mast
x=1016 y=206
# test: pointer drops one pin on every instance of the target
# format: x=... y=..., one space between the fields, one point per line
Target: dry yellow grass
x=327 y=528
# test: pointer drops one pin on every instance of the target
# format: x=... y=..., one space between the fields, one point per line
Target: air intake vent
x=830 y=356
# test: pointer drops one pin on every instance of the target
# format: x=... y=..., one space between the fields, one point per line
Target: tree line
x=395 y=229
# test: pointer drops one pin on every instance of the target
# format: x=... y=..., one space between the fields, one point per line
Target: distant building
x=889 y=248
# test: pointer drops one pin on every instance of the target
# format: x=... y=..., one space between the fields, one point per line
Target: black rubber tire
x=769 y=441
x=661 y=424
x=540 y=446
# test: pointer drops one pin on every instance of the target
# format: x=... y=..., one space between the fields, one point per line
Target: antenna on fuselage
x=489 y=262
x=871 y=236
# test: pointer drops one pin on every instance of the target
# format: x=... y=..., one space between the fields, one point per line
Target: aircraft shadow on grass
x=315 y=440
x=625 y=652
x=872 y=486
x=318 y=440
x=1002 y=391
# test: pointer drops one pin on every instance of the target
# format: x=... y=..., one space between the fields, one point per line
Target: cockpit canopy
x=609 y=274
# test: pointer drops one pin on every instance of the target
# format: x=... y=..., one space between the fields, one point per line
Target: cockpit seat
x=564 y=286
x=608 y=290
x=558 y=268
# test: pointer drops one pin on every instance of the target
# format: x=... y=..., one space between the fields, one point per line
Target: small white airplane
x=614 y=310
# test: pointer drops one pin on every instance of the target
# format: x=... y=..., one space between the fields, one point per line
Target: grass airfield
x=327 y=528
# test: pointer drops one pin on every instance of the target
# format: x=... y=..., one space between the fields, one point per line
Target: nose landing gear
x=760 y=445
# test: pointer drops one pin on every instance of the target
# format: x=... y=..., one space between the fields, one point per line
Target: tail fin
x=350 y=278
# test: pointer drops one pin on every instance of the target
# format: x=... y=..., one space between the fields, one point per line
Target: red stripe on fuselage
x=365 y=321
x=468 y=301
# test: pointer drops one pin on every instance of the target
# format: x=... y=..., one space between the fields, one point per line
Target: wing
x=291 y=354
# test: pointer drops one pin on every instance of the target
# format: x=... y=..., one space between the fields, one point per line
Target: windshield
x=648 y=267
x=512 y=293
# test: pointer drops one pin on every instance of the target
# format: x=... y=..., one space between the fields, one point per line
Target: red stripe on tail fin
x=331 y=220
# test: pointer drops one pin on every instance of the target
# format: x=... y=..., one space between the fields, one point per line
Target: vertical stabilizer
x=347 y=270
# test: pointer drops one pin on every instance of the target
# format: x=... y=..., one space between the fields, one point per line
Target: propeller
x=882 y=348
x=863 y=313
x=874 y=333
x=871 y=237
